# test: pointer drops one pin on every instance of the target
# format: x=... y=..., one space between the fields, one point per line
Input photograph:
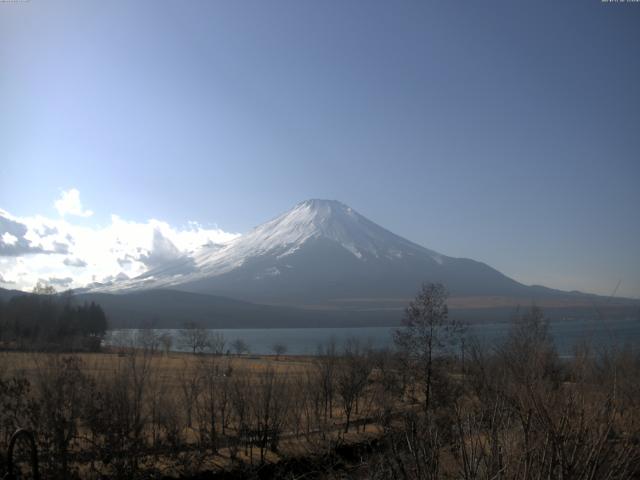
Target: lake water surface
x=305 y=341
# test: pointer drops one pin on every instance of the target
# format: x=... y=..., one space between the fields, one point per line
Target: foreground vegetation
x=433 y=408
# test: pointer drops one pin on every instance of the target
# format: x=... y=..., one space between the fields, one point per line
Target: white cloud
x=69 y=204
x=162 y=251
x=58 y=282
x=9 y=239
x=74 y=262
x=61 y=250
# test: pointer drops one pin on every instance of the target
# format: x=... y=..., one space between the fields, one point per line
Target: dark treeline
x=45 y=320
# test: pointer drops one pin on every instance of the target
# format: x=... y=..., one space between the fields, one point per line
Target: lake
x=305 y=341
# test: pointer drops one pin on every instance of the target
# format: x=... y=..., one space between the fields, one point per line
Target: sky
x=507 y=132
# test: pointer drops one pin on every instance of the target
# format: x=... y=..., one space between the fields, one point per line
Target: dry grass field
x=172 y=366
x=184 y=413
x=516 y=411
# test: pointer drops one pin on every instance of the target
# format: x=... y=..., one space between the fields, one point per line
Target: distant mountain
x=5 y=294
x=323 y=254
x=321 y=264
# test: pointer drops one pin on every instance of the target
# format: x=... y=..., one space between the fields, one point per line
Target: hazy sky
x=507 y=132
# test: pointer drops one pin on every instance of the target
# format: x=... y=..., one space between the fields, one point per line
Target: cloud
x=60 y=247
x=58 y=282
x=74 y=262
x=5 y=282
x=126 y=260
x=12 y=238
x=18 y=239
x=121 y=276
x=69 y=204
x=162 y=251
x=39 y=247
x=46 y=231
x=8 y=239
x=111 y=279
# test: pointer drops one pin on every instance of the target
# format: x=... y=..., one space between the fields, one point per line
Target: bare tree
x=224 y=393
x=353 y=372
x=217 y=343
x=387 y=387
x=240 y=346
x=190 y=387
x=326 y=361
x=61 y=387
x=529 y=351
x=208 y=402
x=119 y=412
x=426 y=332
x=269 y=403
x=239 y=400
x=166 y=340
x=194 y=337
x=149 y=339
x=42 y=288
x=279 y=349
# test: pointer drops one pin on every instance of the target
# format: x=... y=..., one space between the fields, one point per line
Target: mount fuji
x=323 y=254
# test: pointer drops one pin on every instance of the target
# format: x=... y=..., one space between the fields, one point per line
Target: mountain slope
x=322 y=264
x=6 y=295
x=172 y=309
x=323 y=254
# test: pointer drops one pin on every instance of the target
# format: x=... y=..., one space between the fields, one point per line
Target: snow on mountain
x=328 y=219
x=283 y=236
x=334 y=266
x=318 y=251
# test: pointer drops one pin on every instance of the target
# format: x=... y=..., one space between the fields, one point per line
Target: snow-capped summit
x=319 y=251
x=327 y=219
